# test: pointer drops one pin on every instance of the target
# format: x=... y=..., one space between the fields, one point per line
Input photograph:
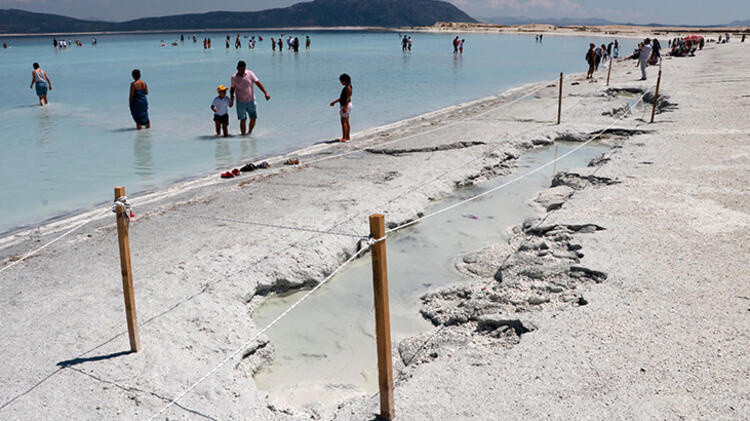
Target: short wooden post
x=382 y=317
x=609 y=72
x=559 y=101
x=127 y=273
x=656 y=97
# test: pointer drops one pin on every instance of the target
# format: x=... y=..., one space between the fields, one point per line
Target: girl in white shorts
x=345 y=102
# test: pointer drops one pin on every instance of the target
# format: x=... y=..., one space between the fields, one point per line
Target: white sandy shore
x=621 y=31
x=196 y=281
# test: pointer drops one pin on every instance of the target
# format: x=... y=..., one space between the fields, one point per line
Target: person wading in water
x=138 y=102
x=243 y=84
x=41 y=80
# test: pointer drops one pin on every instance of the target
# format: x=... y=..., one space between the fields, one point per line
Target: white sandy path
x=667 y=336
x=193 y=278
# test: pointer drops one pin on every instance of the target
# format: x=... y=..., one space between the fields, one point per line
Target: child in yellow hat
x=220 y=107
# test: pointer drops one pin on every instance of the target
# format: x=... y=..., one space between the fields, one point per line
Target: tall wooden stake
x=609 y=72
x=559 y=102
x=656 y=97
x=127 y=274
x=382 y=317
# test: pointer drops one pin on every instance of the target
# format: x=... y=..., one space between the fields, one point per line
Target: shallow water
x=69 y=155
x=325 y=349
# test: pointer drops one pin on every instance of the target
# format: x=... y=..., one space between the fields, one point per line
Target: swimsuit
x=139 y=107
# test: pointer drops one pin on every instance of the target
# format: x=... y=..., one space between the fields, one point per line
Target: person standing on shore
x=345 y=102
x=138 y=102
x=591 y=60
x=40 y=79
x=655 y=52
x=644 y=56
x=243 y=84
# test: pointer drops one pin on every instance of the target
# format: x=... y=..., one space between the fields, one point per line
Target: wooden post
x=559 y=102
x=127 y=273
x=609 y=72
x=382 y=317
x=656 y=97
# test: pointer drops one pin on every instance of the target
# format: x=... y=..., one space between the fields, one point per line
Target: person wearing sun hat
x=220 y=107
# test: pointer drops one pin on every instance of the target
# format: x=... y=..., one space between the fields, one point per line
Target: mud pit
x=322 y=357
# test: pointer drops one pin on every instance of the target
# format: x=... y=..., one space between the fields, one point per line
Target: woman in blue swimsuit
x=138 y=102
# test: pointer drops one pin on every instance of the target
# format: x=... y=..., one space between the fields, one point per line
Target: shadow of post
x=76 y=361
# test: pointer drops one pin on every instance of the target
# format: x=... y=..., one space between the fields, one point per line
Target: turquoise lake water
x=68 y=156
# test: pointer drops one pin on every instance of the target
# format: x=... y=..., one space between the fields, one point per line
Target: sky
x=687 y=12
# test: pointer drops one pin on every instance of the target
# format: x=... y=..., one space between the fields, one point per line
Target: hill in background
x=322 y=13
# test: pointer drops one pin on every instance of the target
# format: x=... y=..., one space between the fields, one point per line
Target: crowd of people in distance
x=293 y=43
x=407 y=43
x=63 y=44
x=648 y=52
x=598 y=55
x=682 y=47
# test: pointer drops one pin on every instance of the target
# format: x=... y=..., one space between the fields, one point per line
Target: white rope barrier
x=35 y=251
x=267 y=225
x=370 y=243
x=471 y=161
x=514 y=180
